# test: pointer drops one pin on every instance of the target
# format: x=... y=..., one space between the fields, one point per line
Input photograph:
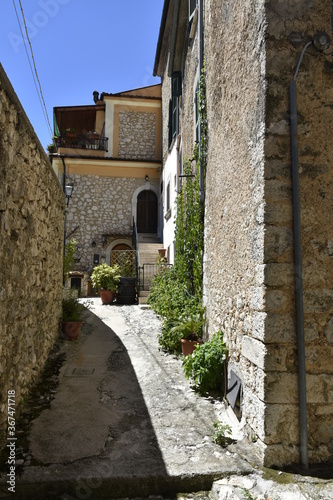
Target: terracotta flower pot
x=71 y=329
x=188 y=346
x=107 y=296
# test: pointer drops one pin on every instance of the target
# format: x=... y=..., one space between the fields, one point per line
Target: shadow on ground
x=96 y=439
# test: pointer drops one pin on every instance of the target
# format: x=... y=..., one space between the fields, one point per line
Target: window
x=176 y=90
x=168 y=197
x=192 y=5
x=180 y=168
x=167 y=203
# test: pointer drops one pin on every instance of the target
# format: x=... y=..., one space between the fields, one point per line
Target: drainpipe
x=321 y=42
x=201 y=59
x=65 y=219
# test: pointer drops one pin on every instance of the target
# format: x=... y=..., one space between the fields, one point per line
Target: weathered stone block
x=279 y=274
x=281 y=388
x=282 y=424
x=281 y=327
x=318 y=301
x=254 y=351
x=278 y=244
x=319 y=358
x=281 y=358
x=329 y=331
x=278 y=191
x=278 y=301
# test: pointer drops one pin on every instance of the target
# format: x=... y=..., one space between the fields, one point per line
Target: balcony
x=89 y=141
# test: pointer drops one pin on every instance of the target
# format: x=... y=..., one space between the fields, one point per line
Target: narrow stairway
x=148 y=249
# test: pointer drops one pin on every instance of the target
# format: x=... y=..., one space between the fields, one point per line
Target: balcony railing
x=90 y=141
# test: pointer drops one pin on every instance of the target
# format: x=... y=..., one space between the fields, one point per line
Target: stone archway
x=116 y=245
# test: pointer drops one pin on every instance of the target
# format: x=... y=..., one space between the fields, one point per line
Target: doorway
x=147 y=212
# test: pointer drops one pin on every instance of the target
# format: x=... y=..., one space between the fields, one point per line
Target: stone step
x=143 y=297
x=149 y=252
x=148 y=237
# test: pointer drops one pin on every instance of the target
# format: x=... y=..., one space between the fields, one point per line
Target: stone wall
x=287 y=33
x=101 y=205
x=31 y=232
x=248 y=263
x=137 y=135
x=234 y=225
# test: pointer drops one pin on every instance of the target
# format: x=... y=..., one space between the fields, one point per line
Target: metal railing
x=147 y=273
x=135 y=242
x=74 y=141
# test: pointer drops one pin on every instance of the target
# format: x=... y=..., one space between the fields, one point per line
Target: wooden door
x=147 y=212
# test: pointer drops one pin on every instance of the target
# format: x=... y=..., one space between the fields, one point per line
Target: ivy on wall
x=189 y=222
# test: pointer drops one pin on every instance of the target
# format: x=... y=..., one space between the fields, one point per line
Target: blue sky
x=79 y=46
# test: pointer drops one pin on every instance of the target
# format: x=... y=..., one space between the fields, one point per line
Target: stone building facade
x=111 y=153
x=251 y=50
x=31 y=233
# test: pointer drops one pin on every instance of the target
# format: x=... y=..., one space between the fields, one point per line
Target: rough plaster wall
x=137 y=135
x=187 y=109
x=315 y=119
x=100 y=205
x=234 y=217
x=166 y=96
x=249 y=282
x=31 y=233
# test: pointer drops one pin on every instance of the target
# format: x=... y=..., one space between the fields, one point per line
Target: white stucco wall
x=169 y=176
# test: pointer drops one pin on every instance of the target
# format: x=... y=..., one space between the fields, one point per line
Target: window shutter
x=174 y=116
x=192 y=5
x=170 y=122
x=176 y=84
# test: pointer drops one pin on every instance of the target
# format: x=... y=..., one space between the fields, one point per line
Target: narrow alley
x=124 y=422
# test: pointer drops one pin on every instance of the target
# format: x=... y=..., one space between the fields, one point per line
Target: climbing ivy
x=178 y=292
x=189 y=233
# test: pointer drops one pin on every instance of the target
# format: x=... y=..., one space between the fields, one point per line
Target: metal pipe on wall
x=298 y=268
x=321 y=42
x=201 y=62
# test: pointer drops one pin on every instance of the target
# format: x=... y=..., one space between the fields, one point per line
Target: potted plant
x=189 y=328
x=106 y=279
x=72 y=313
x=207 y=365
x=127 y=284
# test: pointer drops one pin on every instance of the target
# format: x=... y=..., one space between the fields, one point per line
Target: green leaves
x=206 y=366
x=106 y=277
x=222 y=431
x=70 y=250
x=176 y=294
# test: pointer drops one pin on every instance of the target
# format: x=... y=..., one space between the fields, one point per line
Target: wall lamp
x=69 y=188
x=147 y=178
x=93 y=244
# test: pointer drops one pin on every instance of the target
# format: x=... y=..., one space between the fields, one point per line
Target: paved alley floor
x=124 y=422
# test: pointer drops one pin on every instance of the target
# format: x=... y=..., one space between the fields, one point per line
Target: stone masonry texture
x=137 y=135
x=31 y=233
x=100 y=205
x=251 y=50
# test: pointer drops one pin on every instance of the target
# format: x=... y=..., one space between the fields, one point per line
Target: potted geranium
x=106 y=279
